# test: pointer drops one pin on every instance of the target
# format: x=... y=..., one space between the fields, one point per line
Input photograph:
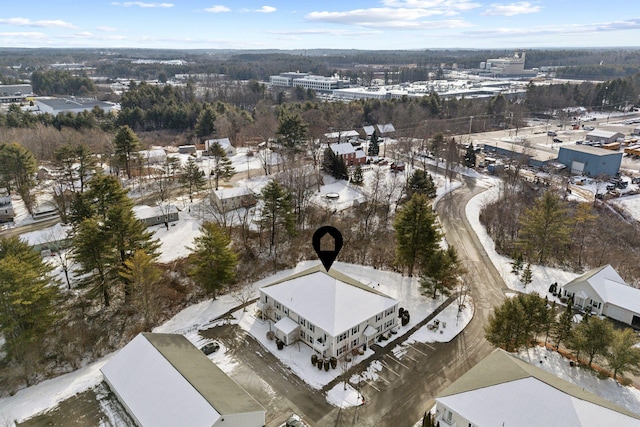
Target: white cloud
x=322 y=31
x=26 y=35
x=25 y=22
x=141 y=4
x=107 y=29
x=217 y=9
x=79 y=35
x=432 y=4
x=512 y=9
x=263 y=9
x=570 y=30
x=378 y=17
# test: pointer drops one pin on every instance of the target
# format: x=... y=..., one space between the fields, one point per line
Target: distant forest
x=407 y=65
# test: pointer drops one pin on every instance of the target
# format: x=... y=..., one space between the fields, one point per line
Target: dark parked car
x=557 y=140
x=211 y=347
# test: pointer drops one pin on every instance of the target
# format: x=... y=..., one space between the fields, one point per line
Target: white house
x=604 y=292
x=154 y=215
x=329 y=311
x=164 y=380
x=224 y=143
x=503 y=390
x=229 y=199
x=386 y=129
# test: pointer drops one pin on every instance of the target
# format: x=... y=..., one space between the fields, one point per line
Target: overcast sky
x=307 y=24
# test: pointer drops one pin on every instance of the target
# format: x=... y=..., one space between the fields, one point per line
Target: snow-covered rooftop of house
x=164 y=380
x=608 y=284
x=332 y=301
x=145 y=211
x=520 y=394
x=230 y=193
x=156 y=152
x=386 y=128
x=224 y=142
x=369 y=130
x=342 y=148
x=343 y=134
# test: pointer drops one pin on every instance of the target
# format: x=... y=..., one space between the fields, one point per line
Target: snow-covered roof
x=157 y=152
x=286 y=325
x=330 y=300
x=520 y=394
x=342 y=148
x=368 y=130
x=601 y=133
x=224 y=142
x=360 y=154
x=145 y=211
x=231 y=193
x=386 y=128
x=164 y=380
x=343 y=134
x=609 y=286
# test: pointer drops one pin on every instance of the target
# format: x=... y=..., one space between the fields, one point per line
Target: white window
x=355 y=342
x=355 y=330
x=378 y=317
x=302 y=321
x=342 y=337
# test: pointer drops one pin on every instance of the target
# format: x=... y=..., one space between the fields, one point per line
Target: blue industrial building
x=590 y=161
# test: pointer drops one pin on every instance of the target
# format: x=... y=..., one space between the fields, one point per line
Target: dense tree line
x=53 y=82
x=543 y=227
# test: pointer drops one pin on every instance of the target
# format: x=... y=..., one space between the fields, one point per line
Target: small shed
x=7 y=213
x=187 y=149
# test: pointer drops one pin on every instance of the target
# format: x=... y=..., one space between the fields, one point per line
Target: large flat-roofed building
x=590 y=161
x=56 y=106
x=309 y=81
x=164 y=380
x=505 y=66
x=15 y=93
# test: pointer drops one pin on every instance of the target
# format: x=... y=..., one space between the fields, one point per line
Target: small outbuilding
x=603 y=292
x=164 y=380
x=590 y=161
x=603 y=136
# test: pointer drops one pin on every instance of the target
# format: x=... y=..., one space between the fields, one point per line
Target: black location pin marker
x=327 y=242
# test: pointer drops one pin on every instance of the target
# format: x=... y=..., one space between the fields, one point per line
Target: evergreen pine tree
x=193 y=177
x=222 y=165
x=213 y=262
x=527 y=275
x=417 y=233
x=358 y=176
x=374 y=147
x=470 y=156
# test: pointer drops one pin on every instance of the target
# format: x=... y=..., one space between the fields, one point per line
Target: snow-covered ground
x=550 y=361
x=178 y=238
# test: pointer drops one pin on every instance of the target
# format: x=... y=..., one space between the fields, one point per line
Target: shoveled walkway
x=380 y=352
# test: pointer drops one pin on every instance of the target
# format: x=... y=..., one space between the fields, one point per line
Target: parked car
x=579 y=142
x=211 y=347
x=552 y=133
x=588 y=128
x=635 y=180
x=557 y=140
x=397 y=166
